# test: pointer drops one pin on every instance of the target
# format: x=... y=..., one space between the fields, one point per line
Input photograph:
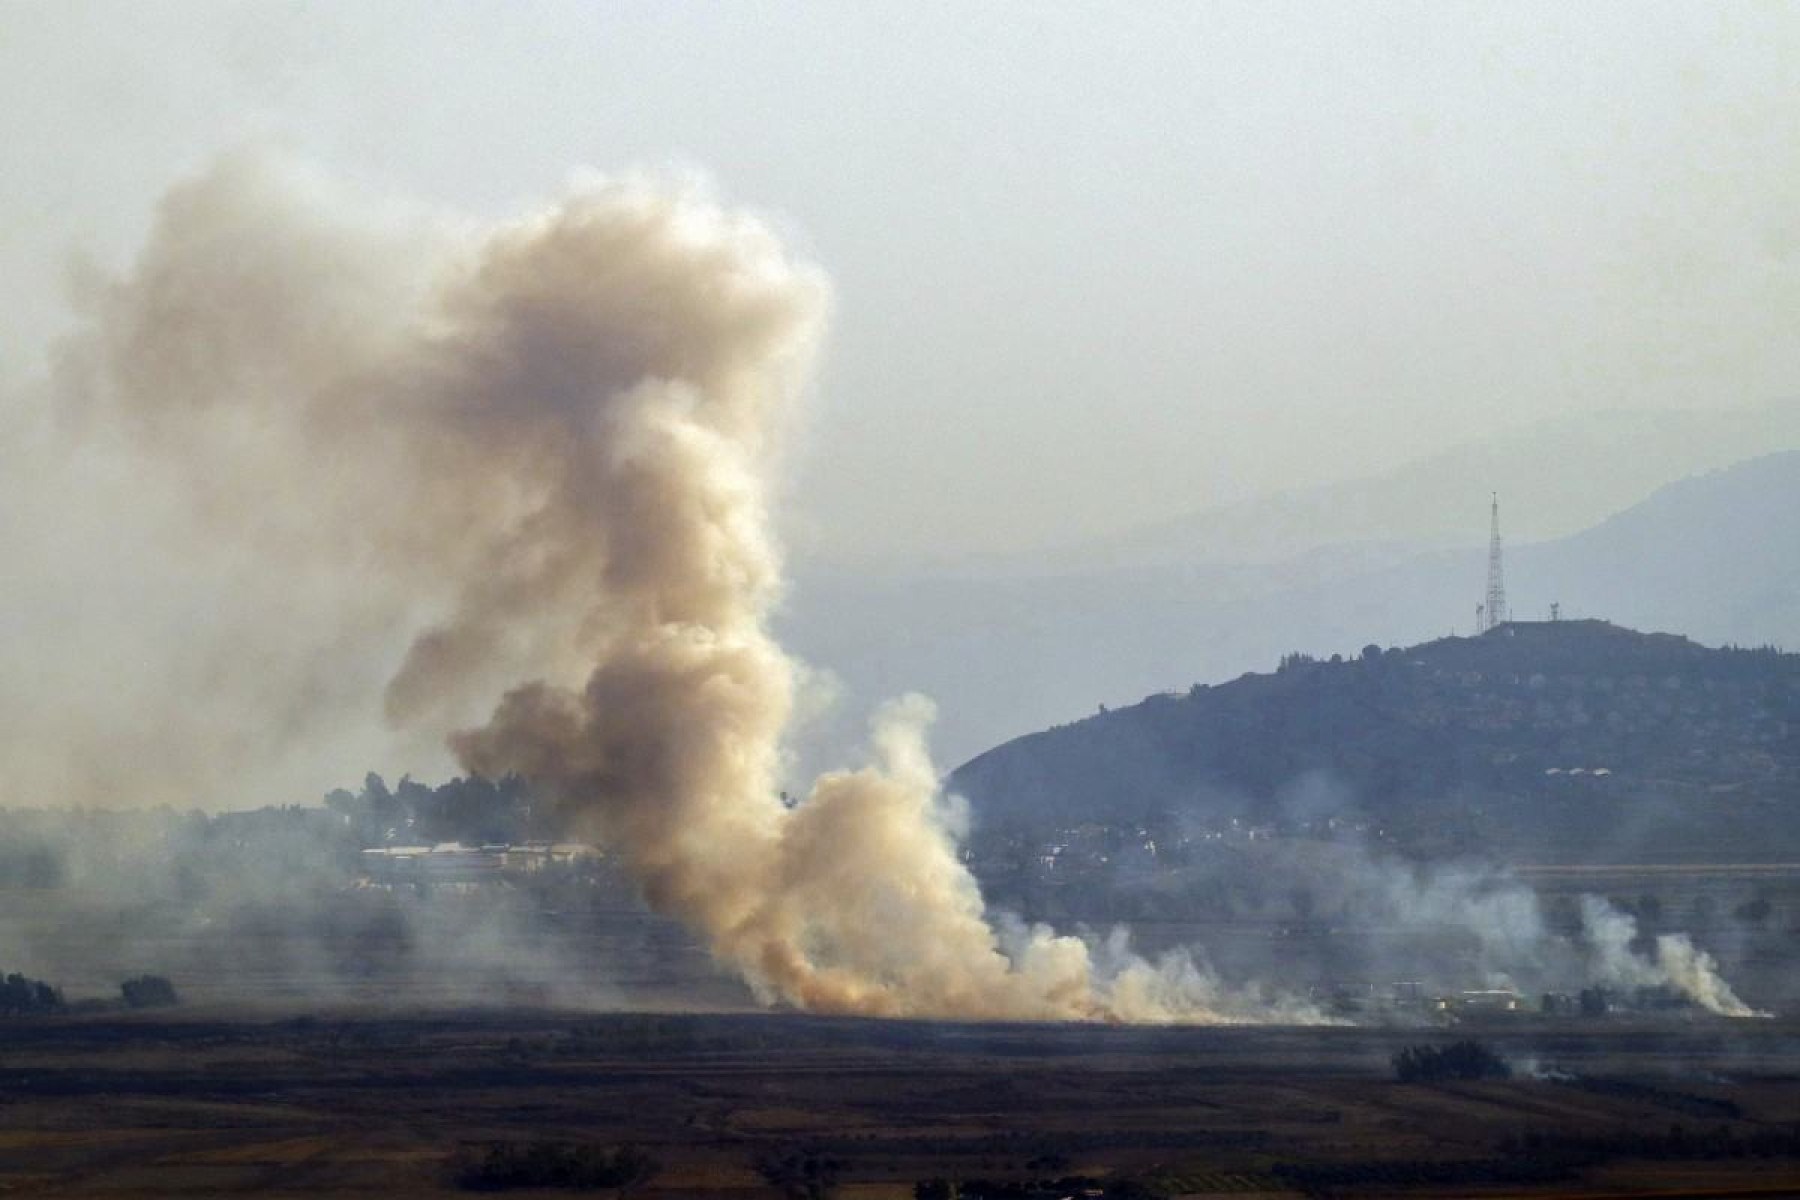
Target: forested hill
x=1572 y=739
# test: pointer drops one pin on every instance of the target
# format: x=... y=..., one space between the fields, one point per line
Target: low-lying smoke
x=1516 y=948
x=1456 y=924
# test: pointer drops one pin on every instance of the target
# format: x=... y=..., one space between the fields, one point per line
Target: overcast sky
x=1093 y=264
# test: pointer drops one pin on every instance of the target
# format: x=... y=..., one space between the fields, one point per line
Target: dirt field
x=381 y=1106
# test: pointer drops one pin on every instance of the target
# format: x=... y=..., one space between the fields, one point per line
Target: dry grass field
x=387 y=1105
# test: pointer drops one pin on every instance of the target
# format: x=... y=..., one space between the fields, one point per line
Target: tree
x=20 y=996
x=1465 y=1060
x=148 y=991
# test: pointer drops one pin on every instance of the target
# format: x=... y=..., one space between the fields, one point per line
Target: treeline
x=470 y=810
x=274 y=855
x=148 y=991
x=20 y=997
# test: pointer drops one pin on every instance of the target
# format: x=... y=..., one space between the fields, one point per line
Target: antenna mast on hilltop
x=1495 y=611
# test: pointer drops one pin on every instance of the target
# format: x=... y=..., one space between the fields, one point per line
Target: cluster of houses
x=1412 y=996
x=456 y=866
x=1409 y=996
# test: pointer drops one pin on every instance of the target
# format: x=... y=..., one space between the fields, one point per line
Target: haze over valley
x=1003 y=601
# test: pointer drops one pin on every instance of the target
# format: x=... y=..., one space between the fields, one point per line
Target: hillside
x=1716 y=556
x=1574 y=740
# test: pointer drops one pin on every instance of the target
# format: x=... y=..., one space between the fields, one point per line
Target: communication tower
x=1495 y=610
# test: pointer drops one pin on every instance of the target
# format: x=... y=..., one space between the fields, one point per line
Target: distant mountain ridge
x=1556 y=478
x=1542 y=739
x=1716 y=556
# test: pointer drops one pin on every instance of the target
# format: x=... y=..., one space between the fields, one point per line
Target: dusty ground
x=342 y=1104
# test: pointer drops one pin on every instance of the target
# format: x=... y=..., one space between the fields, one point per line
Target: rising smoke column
x=658 y=344
x=549 y=444
x=666 y=340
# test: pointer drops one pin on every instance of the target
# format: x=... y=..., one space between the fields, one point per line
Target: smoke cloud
x=1515 y=946
x=506 y=486
x=531 y=462
x=1677 y=963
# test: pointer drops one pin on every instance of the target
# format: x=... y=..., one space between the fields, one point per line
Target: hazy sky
x=1093 y=263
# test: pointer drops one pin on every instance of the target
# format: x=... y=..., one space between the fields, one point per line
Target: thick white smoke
x=1502 y=920
x=1677 y=964
x=557 y=437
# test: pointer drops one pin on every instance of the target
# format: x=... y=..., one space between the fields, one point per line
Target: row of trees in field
x=22 y=997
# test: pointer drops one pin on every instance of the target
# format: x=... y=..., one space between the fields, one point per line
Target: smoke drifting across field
x=557 y=437
x=525 y=467
x=1514 y=945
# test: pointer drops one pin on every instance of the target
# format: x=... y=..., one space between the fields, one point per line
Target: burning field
x=750 y=1105
x=955 y=685
x=514 y=482
x=511 y=485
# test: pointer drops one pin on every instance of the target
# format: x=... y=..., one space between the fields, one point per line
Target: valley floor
x=371 y=1104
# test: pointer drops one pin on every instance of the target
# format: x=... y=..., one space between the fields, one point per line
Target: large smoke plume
x=525 y=469
x=557 y=438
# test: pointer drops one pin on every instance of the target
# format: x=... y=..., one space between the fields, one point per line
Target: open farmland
x=342 y=1104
